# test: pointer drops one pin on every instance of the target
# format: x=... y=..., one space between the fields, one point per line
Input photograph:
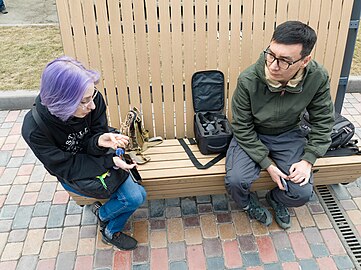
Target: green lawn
x=26 y=50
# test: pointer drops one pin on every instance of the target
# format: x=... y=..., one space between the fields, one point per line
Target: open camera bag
x=211 y=127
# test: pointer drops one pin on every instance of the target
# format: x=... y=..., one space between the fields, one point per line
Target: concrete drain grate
x=341 y=223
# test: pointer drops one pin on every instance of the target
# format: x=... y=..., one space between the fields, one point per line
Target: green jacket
x=259 y=108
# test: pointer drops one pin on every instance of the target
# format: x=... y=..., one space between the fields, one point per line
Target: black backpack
x=341 y=135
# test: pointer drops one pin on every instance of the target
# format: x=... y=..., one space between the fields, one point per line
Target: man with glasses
x=267 y=104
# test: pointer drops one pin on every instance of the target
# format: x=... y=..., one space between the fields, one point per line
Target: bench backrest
x=147 y=50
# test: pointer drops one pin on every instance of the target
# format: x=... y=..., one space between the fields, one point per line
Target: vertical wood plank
x=166 y=56
x=304 y=12
x=188 y=64
x=143 y=66
x=314 y=18
x=107 y=63
x=92 y=41
x=322 y=31
x=270 y=21
x=200 y=20
x=65 y=27
x=293 y=9
x=117 y=43
x=258 y=29
x=281 y=11
x=236 y=60
x=332 y=35
x=177 y=67
x=224 y=38
x=212 y=22
x=247 y=20
x=78 y=28
x=130 y=56
x=155 y=66
x=341 y=45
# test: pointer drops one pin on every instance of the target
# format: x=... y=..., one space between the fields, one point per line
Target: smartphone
x=133 y=172
x=284 y=183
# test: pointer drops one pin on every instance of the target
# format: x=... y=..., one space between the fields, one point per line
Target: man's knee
x=302 y=195
x=136 y=199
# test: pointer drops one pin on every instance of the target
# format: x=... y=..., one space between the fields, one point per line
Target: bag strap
x=193 y=158
x=41 y=124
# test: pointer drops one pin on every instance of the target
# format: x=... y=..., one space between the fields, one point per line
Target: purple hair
x=63 y=84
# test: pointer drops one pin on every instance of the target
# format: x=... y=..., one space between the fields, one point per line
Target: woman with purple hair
x=68 y=132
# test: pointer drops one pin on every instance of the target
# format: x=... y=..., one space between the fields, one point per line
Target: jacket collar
x=295 y=85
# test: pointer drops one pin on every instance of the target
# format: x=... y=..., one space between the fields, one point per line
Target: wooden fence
x=147 y=50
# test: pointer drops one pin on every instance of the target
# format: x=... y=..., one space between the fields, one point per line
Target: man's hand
x=275 y=174
x=112 y=140
x=300 y=172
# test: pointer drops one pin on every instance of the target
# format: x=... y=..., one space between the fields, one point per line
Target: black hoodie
x=75 y=153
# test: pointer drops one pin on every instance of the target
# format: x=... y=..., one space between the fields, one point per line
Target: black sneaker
x=282 y=215
x=121 y=241
x=4 y=11
x=256 y=211
x=95 y=209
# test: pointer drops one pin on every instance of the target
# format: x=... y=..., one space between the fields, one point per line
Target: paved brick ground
x=41 y=228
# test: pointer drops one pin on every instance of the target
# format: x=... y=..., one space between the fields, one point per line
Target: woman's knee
x=136 y=199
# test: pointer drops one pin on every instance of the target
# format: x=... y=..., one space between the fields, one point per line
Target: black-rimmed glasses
x=85 y=105
x=282 y=63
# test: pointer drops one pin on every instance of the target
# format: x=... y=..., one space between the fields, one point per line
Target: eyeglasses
x=85 y=105
x=282 y=63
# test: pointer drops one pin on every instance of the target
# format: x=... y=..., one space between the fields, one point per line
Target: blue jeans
x=121 y=206
x=2 y=5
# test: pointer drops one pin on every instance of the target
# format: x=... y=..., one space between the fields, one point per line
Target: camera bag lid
x=208 y=91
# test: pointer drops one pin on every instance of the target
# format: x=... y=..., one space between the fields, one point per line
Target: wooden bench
x=148 y=50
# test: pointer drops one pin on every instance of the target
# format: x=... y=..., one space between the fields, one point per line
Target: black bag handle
x=41 y=124
x=193 y=158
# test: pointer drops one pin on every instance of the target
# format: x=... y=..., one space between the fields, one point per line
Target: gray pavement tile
x=72 y=220
x=8 y=211
x=15 y=162
x=141 y=267
x=157 y=208
x=47 y=191
x=42 y=209
x=313 y=235
x=22 y=217
x=37 y=174
x=319 y=250
x=341 y=192
x=182 y=266
x=173 y=212
x=38 y=223
x=343 y=262
x=88 y=217
x=309 y=264
x=29 y=157
x=103 y=258
x=17 y=235
x=27 y=263
x=53 y=234
x=188 y=206
x=5 y=225
x=172 y=202
x=286 y=255
x=251 y=259
x=215 y=263
x=176 y=251
x=212 y=247
x=281 y=240
x=73 y=208
x=15 y=194
x=8 y=176
x=220 y=203
x=203 y=199
x=65 y=261
x=141 y=213
x=88 y=231
x=247 y=243
x=56 y=216
x=4 y=157
x=276 y=266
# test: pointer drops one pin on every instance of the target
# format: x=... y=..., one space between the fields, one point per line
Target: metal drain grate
x=342 y=224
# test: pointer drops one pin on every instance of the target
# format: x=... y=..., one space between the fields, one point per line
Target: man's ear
x=306 y=60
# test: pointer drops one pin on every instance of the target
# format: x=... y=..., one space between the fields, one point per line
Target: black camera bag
x=211 y=127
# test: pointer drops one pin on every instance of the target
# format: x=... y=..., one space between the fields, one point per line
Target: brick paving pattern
x=42 y=228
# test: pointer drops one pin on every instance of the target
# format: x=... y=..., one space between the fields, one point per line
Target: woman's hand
x=276 y=175
x=122 y=164
x=112 y=140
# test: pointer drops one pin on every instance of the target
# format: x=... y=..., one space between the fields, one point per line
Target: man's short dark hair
x=295 y=32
